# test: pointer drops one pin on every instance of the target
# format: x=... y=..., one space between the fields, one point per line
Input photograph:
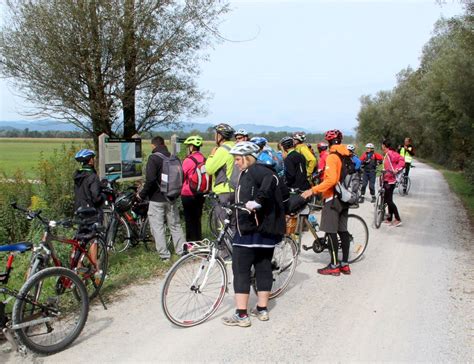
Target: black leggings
x=388 y=197
x=242 y=261
x=192 y=208
x=333 y=245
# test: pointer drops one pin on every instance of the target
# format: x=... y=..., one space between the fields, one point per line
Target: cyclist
x=393 y=163
x=335 y=213
x=87 y=188
x=300 y=146
x=357 y=163
x=295 y=166
x=370 y=160
x=220 y=165
x=241 y=135
x=323 y=154
x=268 y=156
x=407 y=152
x=259 y=228
x=192 y=202
x=161 y=210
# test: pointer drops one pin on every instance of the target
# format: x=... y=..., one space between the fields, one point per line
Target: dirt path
x=410 y=299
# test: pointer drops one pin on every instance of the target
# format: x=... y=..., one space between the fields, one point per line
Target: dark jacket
x=295 y=171
x=370 y=161
x=259 y=183
x=87 y=190
x=154 y=167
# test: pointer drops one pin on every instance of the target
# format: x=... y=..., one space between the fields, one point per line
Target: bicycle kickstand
x=102 y=301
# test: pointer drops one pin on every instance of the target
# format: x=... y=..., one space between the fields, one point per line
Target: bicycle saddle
x=17 y=247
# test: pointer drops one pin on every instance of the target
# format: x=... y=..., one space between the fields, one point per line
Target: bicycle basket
x=291 y=222
x=140 y=208
x=124 y=202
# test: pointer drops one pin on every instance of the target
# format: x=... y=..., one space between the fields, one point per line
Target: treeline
x=434 y=104
x=26 y=133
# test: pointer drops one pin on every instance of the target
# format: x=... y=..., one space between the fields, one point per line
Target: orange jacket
x=332 y=171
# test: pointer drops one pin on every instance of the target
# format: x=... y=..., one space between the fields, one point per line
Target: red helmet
x=322 y=146
x=333 y=135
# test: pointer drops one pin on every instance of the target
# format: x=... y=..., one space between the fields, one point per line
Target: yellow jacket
x=311 y=161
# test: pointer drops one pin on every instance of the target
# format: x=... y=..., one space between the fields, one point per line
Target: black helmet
x=287 y=142
x=225 y=130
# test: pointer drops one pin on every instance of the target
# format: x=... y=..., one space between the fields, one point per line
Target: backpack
x=171 y=176
x=199 y=181
x=347 y=189
x=234 y=177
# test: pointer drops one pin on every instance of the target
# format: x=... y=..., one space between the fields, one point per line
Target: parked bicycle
x=49 y=311
x=88 y=256
x=196 y=284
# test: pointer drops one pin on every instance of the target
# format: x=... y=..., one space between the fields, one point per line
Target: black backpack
x=347 y=189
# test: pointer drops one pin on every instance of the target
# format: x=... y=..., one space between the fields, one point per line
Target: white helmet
x=351 y=147
x=245 y=148
x=370 y=145
x=242 y=132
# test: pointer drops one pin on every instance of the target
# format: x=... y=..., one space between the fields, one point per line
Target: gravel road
x=410 y=299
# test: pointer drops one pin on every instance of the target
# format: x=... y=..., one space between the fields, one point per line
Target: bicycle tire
x=51 y=282
x=94 y=277
x=120 y=235
x=379 y=211
x=359 y=232
x=193 y=266
x=285 y=258
x=146 y=236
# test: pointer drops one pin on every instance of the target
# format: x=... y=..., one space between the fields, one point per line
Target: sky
x=301 y=62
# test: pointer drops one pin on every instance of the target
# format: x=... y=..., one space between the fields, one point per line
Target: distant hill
x=48 y=125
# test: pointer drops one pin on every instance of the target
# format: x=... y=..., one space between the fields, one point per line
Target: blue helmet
x=84 y=155
x=260 y=141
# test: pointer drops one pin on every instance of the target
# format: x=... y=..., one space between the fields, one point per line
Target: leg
x=392 y=208
x=174 y=224
x=372 y=184
x=156 y=216
x=188 y=216
x=199 y=207
x=263 y=275
x=344 y=235
x=365 y=180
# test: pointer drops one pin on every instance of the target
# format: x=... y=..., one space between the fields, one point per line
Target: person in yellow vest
x=299 y=138
x=407 y=152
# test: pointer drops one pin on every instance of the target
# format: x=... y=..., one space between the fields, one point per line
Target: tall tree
x=113 y=66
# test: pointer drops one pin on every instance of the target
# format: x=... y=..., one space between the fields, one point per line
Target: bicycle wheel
x=408 y=185
x=185 y=300
x=215 y=224
x=120 y=235
x=359 y=234
x=284 y=262
x=93 y=270
x=145 y=235
x=379 y=211
x=52 y=321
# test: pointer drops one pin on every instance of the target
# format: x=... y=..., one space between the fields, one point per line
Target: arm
x=290 y=172
x=152 y=170
x=95 y=190
x=266 y=192
x=188 y=167
x=216 y=161
x=330 y=176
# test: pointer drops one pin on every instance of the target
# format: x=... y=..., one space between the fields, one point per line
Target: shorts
x=334 y=216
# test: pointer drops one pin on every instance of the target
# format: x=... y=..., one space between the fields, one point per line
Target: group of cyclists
x=249 y=172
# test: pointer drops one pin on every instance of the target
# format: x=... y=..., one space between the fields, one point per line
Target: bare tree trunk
x=130 y=60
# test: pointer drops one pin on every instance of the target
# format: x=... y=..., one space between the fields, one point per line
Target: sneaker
x=396 y=223
x=329 y=270
x=236 y=320
x=388 y=222
x=361 y=199
x=261 y=315
x=373 y=199
x=345 y=269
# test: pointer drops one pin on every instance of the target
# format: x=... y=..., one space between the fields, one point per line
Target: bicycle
x=88 y=257
x=50 y=309
x=403 y=184
x=356 y=226
x=196 y=284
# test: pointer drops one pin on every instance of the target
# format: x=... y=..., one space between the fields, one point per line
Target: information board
x=121 y=158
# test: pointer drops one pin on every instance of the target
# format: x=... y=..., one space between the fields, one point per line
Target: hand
x=252 y=205
x=307 y=194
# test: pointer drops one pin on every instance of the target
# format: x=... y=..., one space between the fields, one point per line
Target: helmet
x=225 y=130
x=260 y=141
x=84 y=155
x=245 y=148
x=195 y=140
x=299 y=135
x=351 y=148
x=287 y=142
x=322 y=146
x=241 y=132
x=370 y=145
x=333 y=135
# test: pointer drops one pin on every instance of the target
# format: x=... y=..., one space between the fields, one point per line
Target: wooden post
x=102 y=155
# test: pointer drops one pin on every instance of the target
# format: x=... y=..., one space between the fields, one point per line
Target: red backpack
x=199 y=181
